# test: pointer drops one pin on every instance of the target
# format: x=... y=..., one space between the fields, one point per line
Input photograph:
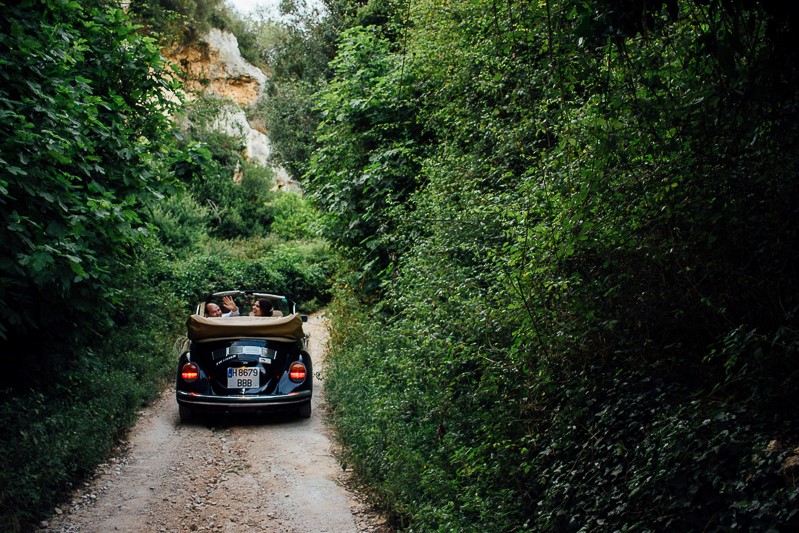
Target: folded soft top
x=278 y=328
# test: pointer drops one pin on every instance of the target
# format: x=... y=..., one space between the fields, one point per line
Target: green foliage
x=301 y=270
x=179 y=21
x=649 y=453
x=208 y=120
x=84 y=99
x=387 y=15
x=55 y=436
x=295 y=217
x=297 y=48
x=288 y=110
x=296 y=53
x=366 y=165
x=235 y=192
x=591 y=277
x=182 y=223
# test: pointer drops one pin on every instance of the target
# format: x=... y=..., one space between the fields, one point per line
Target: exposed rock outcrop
x=214 y=67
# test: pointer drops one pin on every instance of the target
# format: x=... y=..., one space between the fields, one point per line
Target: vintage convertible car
x=245 y=363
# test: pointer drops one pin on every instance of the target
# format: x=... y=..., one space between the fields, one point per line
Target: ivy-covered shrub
x=585 y=315
x=637 y=450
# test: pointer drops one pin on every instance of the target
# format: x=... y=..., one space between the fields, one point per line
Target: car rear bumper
x=243 y=402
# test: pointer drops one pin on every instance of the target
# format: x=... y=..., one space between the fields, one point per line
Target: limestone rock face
x=233 y=121
x=214 y=67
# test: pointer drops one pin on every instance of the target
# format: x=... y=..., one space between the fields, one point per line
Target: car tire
x=304 y=410
x=186 y=413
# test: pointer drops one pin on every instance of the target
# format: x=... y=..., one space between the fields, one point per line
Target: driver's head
x=212 y=310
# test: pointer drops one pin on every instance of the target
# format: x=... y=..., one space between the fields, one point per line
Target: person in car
x=214 y=311
x=261 y=308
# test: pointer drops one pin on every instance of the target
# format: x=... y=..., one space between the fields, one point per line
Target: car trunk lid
x=246 y=367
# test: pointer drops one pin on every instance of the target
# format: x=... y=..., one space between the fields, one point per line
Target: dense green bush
x=300 y=270
x=288 y=110
x=56 y=435
x=587 y=307
x=182 y=223
x=211 y=165
x=179 y=21
x=295 y=217
x=85 y=104
x=296 y=54
x=370 y=146
x=84 y=98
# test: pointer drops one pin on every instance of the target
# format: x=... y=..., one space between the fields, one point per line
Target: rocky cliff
x=213 y=66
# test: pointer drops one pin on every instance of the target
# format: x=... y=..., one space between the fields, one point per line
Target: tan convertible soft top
x=279 y=328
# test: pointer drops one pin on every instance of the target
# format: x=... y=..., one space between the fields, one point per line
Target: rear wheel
x=186 y=413
x=304 y=410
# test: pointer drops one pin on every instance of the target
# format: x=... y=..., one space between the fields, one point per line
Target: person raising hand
x=214 y=311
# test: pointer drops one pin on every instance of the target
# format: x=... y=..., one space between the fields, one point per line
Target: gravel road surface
x=274 y=474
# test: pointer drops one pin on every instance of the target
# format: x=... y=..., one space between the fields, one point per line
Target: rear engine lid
x=245 y=367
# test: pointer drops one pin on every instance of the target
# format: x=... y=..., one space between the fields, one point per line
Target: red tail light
x=190 y=372
x=297 y=372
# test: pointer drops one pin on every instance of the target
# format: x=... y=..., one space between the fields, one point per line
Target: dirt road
x=265 y=475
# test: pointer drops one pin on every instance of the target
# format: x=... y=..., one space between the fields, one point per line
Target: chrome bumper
x=242 y=401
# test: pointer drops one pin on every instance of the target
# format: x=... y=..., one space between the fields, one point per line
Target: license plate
x=243 y=378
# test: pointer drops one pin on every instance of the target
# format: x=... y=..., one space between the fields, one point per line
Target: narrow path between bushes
x=276 y=474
